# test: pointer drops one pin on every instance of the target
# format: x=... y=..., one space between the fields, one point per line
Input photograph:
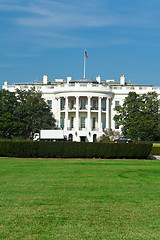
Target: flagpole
x=84 y=65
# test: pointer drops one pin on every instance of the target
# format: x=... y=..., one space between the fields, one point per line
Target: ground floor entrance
x=83 y=139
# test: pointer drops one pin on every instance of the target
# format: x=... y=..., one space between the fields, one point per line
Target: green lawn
x=156 y=144
x=79 y=199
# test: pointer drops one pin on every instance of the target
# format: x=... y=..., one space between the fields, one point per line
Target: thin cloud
x=56 y=23
x=58 y=14
x=68 y=14
x=20 y=55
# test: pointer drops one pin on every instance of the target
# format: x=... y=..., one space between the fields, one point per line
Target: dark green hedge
x=155 y=151
x=30 y=149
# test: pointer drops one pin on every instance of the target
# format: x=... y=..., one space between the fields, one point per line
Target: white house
x=84 y=108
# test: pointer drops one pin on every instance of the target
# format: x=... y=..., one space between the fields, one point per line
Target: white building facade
x=84 y=108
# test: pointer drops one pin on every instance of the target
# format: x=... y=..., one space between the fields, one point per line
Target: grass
x=156 y=144
x=79 y=199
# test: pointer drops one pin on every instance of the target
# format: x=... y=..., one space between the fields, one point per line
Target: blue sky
x=47 y=36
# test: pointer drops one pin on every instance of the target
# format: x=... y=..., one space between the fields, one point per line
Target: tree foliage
x=139 y=116
x=23 y=112
x=9 y=122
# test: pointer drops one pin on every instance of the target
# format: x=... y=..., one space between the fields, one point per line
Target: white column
x=112 y=123
x=107 y=113
x=59 y=111
x=89 y=113
x=66 y=114
x=99 y=114
x=77 y=114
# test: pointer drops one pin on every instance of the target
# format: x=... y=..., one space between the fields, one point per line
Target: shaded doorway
x=83 y=139
x=70 y=137
x=95 y=138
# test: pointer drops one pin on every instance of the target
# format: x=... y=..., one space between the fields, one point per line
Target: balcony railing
x=94 y=129
x=82 y=128
x=83 y=108
x=70 y=128
x=94 y=108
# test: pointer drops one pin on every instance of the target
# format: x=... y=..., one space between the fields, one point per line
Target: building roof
x=83 y=80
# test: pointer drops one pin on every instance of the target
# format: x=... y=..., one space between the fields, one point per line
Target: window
x=72 y=103
x=83 y=104
x=116 y=124
x=82 y=122
x=103 y=122
x=62 y=122
x=93 y=122
x=103 y=105
x=49 y=102
x=94 y=104
x=62 y=103
x=72 y=122
x=116 y=104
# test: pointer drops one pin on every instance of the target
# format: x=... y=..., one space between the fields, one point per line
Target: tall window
x=104 y=105
x=72 y=122
x=82 y=122
x=62 y=103
x=116 y=104
x=62 y=122
x=93 y=123
x=49 y=102
x=94 y=104
x=103 y=122
x=72 y=103
x=83 y=104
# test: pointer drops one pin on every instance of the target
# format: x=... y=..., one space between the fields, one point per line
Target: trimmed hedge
x=155 y=151
x=29 y=149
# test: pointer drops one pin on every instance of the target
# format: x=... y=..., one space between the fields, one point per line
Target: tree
x=139 y=116
x=9 y=122
x=33 y=112
x=23 y=112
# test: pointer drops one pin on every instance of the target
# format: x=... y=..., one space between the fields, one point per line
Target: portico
x=83 y=115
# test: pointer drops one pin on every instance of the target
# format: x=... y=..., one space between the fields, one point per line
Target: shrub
x=74 y=149
x=155 y=151
x=106 y=139
x=18 y=149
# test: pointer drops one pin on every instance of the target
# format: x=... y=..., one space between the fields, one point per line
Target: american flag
x=86 y=54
